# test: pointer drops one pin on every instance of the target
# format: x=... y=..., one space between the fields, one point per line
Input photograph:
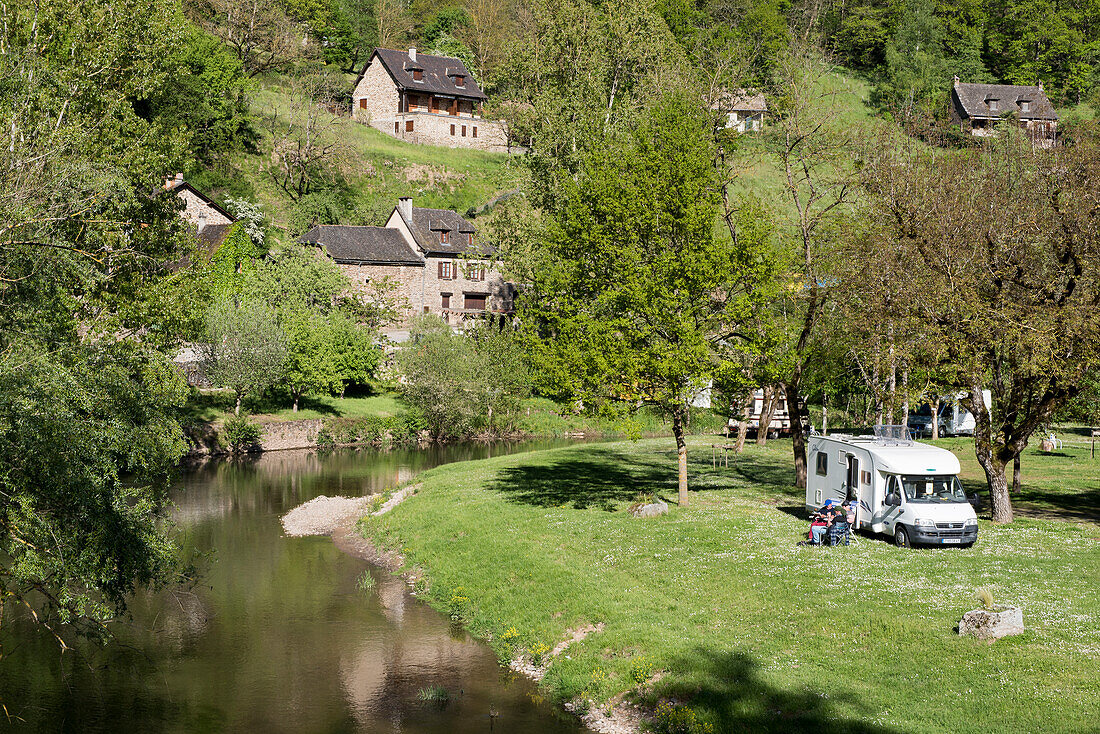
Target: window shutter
x=440 y=268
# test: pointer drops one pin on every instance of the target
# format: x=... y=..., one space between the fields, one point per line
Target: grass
x=377 y=169
x=750 y=631
x=218 y=405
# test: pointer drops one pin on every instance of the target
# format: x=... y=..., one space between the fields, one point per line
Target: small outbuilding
x=744 y=110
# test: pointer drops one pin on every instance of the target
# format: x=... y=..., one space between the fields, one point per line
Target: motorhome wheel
x=901 y=536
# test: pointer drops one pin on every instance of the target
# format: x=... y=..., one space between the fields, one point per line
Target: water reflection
x=278 y=636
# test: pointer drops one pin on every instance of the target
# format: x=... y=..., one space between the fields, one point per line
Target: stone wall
x=421 y=288
x=435 y=129
x=376 y=101
x=276 y=436
x=377 y=91
x=195 y=208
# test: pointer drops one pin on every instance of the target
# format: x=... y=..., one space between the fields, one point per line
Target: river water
x=281 y=634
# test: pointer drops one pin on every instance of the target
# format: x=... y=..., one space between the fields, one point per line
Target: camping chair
x=1055 y=442
x=838 y=533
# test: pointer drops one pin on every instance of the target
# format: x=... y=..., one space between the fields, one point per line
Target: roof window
x=460 y=81
x=418 y=75
x=992 y=103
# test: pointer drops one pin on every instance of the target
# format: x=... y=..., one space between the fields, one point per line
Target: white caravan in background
x=953 y=418
x=780 y=424
x=903 y=488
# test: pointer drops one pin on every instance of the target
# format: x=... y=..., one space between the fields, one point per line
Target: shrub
x=539 y=652
x=457 y=603
x=671 y=719
x=325 y=440
x=241 y=434
x=641 y=668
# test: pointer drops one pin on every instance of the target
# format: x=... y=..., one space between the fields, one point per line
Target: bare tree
x=814 y=150
x=306 y=141
x=258 y=31
x=1004 y=251
x=394 y=24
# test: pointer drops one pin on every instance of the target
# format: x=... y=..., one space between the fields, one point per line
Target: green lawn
x=751 y=631
x=218 y=405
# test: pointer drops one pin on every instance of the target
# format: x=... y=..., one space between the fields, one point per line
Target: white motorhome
x=903 y=488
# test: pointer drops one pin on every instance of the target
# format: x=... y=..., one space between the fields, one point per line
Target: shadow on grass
x=1082 y=505
x=598 y=478
x=729 y=687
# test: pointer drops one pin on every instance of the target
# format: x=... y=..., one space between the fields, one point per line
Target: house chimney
x=405 y=206
x=202 y=220
x=1040 y=85
x=956 y=80
x=412 y=54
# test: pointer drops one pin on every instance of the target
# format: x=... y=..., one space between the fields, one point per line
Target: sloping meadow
x=716 y=609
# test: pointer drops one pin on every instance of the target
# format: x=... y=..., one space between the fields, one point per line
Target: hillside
x=371 y=171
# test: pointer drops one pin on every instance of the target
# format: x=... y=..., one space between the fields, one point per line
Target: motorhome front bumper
x=954 y=533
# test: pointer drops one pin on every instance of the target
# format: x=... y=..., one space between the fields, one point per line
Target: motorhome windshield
x=941 y=488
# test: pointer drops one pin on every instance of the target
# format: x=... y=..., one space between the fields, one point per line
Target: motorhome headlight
x=971 y=522
x=924 y=522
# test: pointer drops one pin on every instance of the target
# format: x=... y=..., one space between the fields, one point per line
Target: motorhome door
x=852 y=482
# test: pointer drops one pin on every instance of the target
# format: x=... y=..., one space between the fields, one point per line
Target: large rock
x=986 y=625
x=651 y=510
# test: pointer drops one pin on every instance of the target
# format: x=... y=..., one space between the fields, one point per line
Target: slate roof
x=438 y=78
x=178 y=183
x=213 y=235
x=973 y=99
x=428 y=223
x=377 y=245
x=740 y=100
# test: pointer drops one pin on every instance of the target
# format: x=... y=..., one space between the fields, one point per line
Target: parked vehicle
x=953 y=418
x=780 y=424
x=904 y=488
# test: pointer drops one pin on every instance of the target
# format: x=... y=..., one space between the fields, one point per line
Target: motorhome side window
x=822 y=463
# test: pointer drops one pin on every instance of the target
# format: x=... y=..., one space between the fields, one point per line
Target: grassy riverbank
x=750 y=631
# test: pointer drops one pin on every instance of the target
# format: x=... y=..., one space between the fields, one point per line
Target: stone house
x=744 y=110
x=211 y=222
x=429 y=256
x=425 y=99
x=978 y=108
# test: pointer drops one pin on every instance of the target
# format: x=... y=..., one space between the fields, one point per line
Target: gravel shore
x=323 y=515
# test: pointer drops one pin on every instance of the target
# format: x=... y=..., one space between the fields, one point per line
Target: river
x=280 y=634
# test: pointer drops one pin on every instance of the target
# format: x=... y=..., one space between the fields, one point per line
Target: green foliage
x=241 y=434
x=669 y=718
x=636 y=294
x=87 y=433
x=915 y=77
x=464 y=383
x=310 y=363
x=244 y=348
x=433 y=694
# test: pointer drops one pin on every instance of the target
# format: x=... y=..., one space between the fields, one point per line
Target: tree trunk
x=765 y=422
x=1016 y=474
x=905 y=396
x=237 y=410
x=935 y=418
x=993 y=462
x=681 y=455
x=295 y=402
x=800 y=424
x=743 y=424
x=824 y=414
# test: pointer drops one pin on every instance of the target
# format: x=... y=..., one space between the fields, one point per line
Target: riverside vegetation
x=715 y=619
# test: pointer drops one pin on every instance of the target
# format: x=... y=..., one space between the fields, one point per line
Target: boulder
x=992 y=625
x=651 y=510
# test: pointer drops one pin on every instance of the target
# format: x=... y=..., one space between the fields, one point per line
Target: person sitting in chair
x=821 y=520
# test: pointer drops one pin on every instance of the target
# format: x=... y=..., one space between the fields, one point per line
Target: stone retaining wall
x=276 y=436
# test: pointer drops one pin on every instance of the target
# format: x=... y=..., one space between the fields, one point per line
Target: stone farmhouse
x=430 y=256
x=425 y=99
x=978 y=108
x=211 y=222
x=744 y=111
